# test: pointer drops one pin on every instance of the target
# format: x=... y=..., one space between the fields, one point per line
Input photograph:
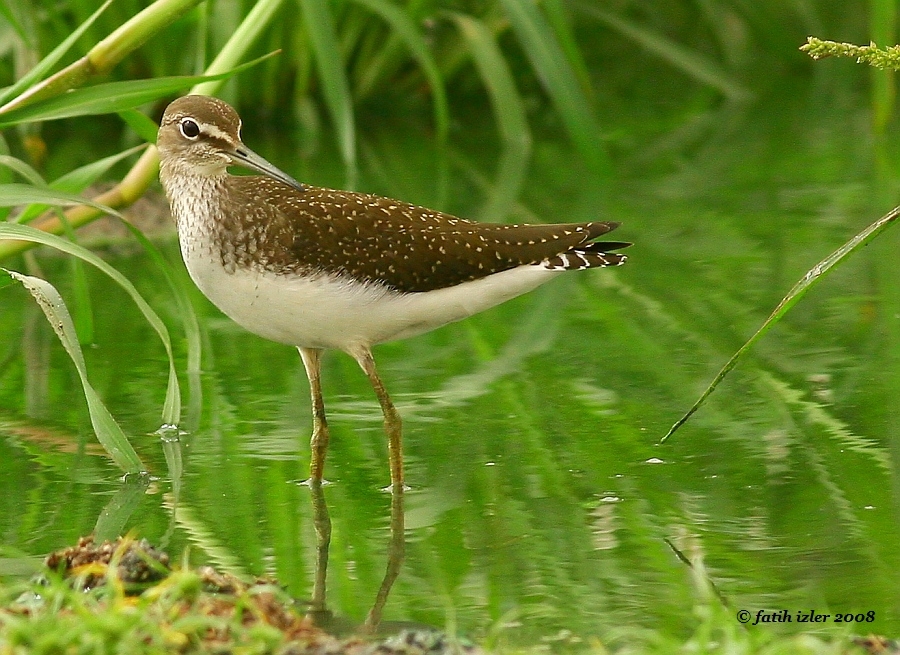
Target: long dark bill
x=243 y=156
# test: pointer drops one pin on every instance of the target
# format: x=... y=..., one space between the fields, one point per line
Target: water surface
x=542 y=508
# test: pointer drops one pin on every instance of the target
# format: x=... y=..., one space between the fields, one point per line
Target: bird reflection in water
x=319 y=612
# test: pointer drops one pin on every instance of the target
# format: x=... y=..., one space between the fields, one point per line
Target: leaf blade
x=172 y=406
x=108 y=432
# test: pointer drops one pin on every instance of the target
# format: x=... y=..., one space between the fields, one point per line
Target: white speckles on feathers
x=318 y=267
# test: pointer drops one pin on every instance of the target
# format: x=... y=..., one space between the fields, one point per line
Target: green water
x=542 y=508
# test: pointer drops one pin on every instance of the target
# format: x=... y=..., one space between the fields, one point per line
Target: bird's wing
x=412 y=249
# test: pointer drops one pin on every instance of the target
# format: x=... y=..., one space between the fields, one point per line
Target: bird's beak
x=243 y=156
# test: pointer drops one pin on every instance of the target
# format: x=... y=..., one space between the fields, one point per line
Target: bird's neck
x=195 y=199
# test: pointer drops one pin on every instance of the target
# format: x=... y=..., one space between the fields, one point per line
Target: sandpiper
x=318 y=268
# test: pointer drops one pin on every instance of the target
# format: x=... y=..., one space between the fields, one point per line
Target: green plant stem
x=885 y=58
x=236 y=48
x=108 y=53
x=882 y=25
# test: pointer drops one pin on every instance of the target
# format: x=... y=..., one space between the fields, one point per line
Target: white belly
x=326 y=312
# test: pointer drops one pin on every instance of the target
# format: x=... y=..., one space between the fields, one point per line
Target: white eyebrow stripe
x=214 y=132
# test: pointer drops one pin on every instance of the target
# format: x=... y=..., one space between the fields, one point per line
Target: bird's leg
x=392 y=422
x=319 y=442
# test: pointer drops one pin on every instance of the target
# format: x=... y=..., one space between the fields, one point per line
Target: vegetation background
x=548 y=516
x=614 y=76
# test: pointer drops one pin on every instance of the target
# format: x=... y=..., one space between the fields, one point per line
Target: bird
x=322 y=269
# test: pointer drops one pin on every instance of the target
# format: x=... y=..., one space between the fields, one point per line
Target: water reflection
x=116 y=516
x=395 y=553
x=322 y=524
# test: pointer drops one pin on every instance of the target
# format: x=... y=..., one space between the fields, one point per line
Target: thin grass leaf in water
x=812 y=277
x=170 y=437
x=112 y=520
x=819 y=415
x=108 y=432
x=172 y=405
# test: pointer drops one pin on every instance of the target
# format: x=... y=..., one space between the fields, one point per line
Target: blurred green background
x=543 y=512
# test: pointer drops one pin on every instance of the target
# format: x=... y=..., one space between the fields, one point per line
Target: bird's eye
x=189 y=128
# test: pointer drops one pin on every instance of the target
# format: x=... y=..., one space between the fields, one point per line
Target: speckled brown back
x=405 y=247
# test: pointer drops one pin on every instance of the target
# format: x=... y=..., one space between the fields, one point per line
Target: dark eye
x=189 y=128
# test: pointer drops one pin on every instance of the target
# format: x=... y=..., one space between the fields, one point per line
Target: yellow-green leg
x=319 y=442
x=392 y=422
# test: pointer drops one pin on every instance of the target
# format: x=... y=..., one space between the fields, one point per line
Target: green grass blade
x=47 y=63
x=107 y=430
x=111 y=97
x=509 y=113
x=549 y=61
x=330 y=63
x=812 y=277
x=503 y=190
x=559 y=19
x=23 y=169
x=172 y=406
x=84 y=318
x=506 y=102
x=84 y=313
x=12 y=195
x=78 y=180
x=136 y=31
x=689 y=62
x=14 y=22
x=179 y=289
x=403 y=25
x=143 y=125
